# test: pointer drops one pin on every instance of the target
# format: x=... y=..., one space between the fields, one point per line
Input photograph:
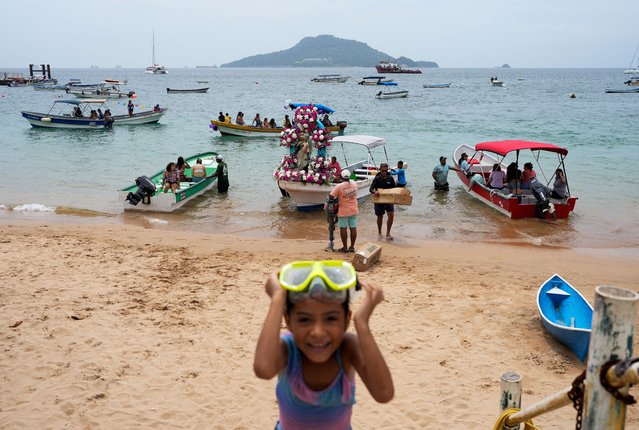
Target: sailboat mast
x=153 y=59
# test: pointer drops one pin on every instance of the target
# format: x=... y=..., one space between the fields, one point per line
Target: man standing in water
x=222 y=174
x=440 y=174
x=384 y=181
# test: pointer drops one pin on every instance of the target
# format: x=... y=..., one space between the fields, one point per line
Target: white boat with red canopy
x=516 y=203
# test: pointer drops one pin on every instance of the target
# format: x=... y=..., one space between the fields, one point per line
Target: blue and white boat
x=391 y=91
x=566 y=314
x=63 y=115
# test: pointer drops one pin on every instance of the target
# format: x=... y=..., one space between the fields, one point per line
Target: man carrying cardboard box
x=383 y=181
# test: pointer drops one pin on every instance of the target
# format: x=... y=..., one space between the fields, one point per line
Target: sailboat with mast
x=155 y=68
x=633 y=70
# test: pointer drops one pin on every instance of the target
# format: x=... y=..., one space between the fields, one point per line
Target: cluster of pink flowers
x=289 y=136
x=317 y=171
x=321 y=138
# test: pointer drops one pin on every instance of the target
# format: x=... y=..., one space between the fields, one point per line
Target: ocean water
x=74 y=175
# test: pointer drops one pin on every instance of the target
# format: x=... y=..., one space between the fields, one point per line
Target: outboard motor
x=540 y=192
x=146 y=189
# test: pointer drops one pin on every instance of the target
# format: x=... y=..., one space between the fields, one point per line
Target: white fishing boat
x=495 y=82
x=331 y=79
x=102 y=91
x=308 y=196
x=373 y=80
x=635 y=60
x=155 y=68
x=390 y=91
x=79 y=116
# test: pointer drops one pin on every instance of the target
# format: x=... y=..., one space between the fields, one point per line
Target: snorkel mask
x=328 y=280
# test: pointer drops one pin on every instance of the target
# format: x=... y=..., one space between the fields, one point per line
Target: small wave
x=34 y=207
x=156 y=221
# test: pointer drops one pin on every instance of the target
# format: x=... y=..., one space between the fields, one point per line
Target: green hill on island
x=325 y=51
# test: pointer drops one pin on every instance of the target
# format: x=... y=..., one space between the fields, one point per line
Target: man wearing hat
x=440 y=174
x=346 y=193
x=222 y=173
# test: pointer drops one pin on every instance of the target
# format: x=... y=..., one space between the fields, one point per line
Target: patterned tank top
x=304 y=409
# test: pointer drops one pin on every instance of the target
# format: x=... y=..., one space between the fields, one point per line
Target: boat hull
x=98 y=94
x=169 y=202
x=312 y=196
x=382 y=69
x=513 y=206
x=392 y=95
x=436 y=85
x=146 y=117
x=565 y=314
x=55 y=121
x=228 y=129
x=188 y=91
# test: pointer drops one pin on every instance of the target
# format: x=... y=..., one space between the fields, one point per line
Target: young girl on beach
x=170 y=178
x=316 y=360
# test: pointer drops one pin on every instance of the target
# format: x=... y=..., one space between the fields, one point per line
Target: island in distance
x=325 y=51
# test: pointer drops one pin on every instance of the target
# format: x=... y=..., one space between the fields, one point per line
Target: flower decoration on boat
x=289 y=136
x=316 y=172
x=306 y=118
x=321 y=138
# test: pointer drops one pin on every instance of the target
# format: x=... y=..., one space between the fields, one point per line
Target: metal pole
x=550 y=403
x=510 y=394
x=613 y=331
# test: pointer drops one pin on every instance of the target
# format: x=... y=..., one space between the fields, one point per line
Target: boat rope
x=503 y=418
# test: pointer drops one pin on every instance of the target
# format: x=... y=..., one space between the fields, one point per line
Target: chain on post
x=577 y=397
x=628 y=399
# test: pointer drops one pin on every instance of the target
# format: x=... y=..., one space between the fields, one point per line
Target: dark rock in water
x=505 y=66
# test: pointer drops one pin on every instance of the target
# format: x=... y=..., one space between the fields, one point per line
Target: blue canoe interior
x=566 y=314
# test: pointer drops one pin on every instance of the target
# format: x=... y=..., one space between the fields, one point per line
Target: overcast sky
x=453 y=33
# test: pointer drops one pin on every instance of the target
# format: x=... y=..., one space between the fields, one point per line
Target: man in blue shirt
x=400 y=171
x=440 y=174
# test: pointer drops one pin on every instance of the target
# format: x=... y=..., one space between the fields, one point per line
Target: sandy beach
x=112 y=326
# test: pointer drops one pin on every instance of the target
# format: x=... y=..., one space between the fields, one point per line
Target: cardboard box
x=394 y=196
x=367 y=255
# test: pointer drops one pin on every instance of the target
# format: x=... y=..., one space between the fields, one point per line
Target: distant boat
x=390 y=92
x=624 y=91
x=155 y=69
x=331 y=79
x=437 y=85
x=633 y=82
x=566 y=314
x=193 y=90
x=373 y=80
x=633 y=70
x=393 y=67
x=495 y=82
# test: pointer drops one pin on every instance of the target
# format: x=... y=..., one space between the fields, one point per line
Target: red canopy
x=503 y=147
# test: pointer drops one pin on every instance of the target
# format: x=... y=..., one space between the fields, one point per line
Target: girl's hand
x=374 y=296
x=273 y=288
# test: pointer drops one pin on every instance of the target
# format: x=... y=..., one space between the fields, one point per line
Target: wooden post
x=510 y=394
x=613 y=331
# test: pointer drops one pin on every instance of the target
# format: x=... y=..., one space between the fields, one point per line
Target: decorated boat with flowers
x=305 y=174
x=230 y=129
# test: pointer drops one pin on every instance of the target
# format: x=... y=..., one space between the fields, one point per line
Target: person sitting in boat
x=221 y=117
x=496 y=178
x=77 y=112
x=287 y=122
x=335 y=169
x=326 y=121
x=239 y=119
x=257 y=121
x=181 y=166
x=513 y=177
x=560 y=186
x=156 y=108
x=227 y=118
x=465 y=165
x=527 y=175
x=93 y=114
x=265 y=123
x=198 y=171
x=272 y=123
x=170 y=178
